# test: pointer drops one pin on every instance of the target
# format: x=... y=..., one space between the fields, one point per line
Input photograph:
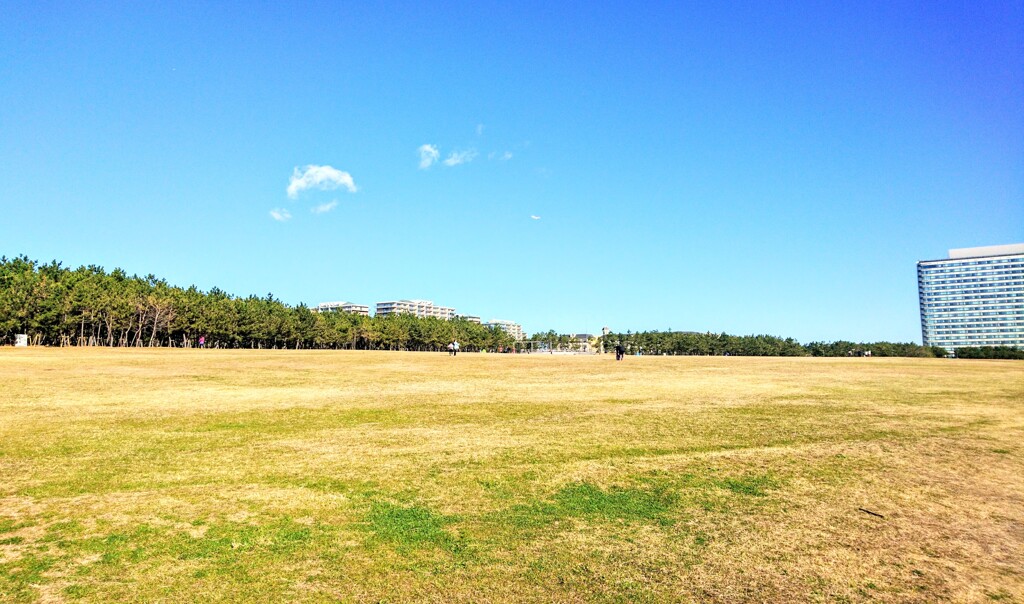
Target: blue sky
x=745 y=168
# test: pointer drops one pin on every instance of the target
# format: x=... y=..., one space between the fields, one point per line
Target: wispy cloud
x=460 y=157
x=534 y=216
x=428 y=155
x=324 y=207
x=504 y=156
x=280 y=214
x=479 y=129
x=324 y=178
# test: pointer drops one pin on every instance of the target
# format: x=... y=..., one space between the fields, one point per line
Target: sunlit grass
x=356 y=476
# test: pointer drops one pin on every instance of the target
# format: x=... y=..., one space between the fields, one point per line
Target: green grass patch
x=412 y=527
x=8 y=525
x=656 y=498
x=751 y=485
x=18 y=578
x=652 y=505
x=616 y=503
x=76 y=591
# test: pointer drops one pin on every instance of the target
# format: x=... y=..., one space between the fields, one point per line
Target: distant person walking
x=202 y=341
x=619 y=352
x=451 y=348
x=456 y=346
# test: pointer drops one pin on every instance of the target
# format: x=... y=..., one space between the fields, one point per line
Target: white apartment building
x=419 y=308
x=359 y=309
x=510 y=327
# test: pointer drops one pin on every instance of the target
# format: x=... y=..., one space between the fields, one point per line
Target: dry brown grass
x=323 y=476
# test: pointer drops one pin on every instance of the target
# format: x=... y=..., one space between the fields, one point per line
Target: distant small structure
x=582 y=342
x=21 y=340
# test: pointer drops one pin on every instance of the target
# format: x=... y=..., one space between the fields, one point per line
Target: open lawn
x=185 y=476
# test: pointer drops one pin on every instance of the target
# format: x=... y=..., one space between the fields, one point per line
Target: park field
x=306 y=476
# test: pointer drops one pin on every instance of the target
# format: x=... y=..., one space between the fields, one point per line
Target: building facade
x=510 y=327
x=583 y=342
x=973 y=298
x=358 y=309
x=420 y=308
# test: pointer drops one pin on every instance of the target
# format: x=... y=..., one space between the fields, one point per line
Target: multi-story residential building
x=470 y=318
x=510 y=327
x=358 y=309
x=420 y=308
x=973 y=298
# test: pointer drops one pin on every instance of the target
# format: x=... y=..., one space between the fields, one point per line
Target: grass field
x=184 y=476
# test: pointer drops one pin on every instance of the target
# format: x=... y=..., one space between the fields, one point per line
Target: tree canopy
x=89 y=306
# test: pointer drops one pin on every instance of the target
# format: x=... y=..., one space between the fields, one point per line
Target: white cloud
x=534 y=216
x=479 y=129
x=280 y=214
x=460 y=157
x=324 y=207
x=324 y=178
x=428 y=155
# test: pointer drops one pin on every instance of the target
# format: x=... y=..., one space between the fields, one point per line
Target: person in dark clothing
x=619 y=352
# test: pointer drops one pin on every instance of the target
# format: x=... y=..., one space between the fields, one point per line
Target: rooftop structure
x=973 y=298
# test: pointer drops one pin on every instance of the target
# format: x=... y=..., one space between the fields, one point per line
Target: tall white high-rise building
x=973 y=298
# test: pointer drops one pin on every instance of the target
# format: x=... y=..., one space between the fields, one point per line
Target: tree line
x=691 y=343
x=89 y=306
x=991 y=352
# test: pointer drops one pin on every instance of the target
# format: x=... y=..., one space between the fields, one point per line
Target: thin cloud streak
x=324 y=207
x=280 y=214
x=460 y=157
x=324 y=178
